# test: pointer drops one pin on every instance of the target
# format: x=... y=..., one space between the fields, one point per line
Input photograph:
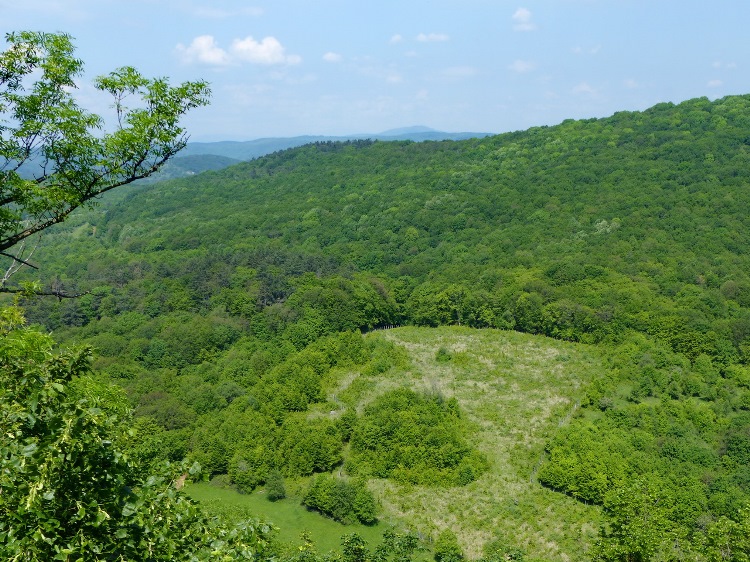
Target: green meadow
x=291 y=518
x=515 y=390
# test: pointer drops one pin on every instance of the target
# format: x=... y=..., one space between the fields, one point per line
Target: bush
x=447 y=548
x=415 y=438
x=442 y=355
x=365 y=508
x=275 y=489
x=346 y=502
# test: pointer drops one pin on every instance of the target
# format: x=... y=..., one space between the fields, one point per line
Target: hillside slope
x=615 y=220
x=516 y=390
x=232 y=290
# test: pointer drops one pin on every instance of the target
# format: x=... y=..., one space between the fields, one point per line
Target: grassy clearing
x=516 y=390
x=288 y=515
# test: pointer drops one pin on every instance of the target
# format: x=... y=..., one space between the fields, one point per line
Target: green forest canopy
x=629 y=232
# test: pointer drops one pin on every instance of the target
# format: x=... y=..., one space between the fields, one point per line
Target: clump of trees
x=346 y=501
x=417 y=438
x=70 y=490
x=666 y=441
x=275 y=489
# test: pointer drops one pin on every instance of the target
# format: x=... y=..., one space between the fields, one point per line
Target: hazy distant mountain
x=247 y=150
x=199 y=157
x=408 y=130
x=177 y=167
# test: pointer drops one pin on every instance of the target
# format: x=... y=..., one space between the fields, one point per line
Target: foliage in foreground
x=642 y=527
x=69 y=159
x=68 y=492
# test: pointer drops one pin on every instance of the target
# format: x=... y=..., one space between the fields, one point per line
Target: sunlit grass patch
x=288 y=515
x=515 y=390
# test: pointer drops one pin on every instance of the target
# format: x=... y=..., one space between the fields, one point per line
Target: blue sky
x=334 y=67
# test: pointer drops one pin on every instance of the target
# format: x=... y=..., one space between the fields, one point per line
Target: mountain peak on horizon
x=247 y=150
x=409 y=130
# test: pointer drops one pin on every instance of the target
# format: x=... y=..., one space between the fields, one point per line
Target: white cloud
x=397 y=39
x=203 y=49
x=631 y=84
x=432 y=37
x=589 y=51
x=460 y=72
x=585 y=89
x=394 y=79
x=332 y=57
x=522 y=15
x=522 y=66
x=714 y=83
x=522 y=19
x=266 y=51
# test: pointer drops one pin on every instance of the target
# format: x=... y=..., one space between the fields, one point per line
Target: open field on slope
x=515 y=390
x=291 y=518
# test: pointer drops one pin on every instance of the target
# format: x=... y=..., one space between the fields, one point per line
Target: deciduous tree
x=55 y=155
x=68 y=492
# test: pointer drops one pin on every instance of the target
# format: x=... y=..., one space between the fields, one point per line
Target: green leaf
x=128 y=510
x=29 y=450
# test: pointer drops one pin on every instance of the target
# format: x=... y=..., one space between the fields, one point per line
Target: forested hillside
x=229 y=305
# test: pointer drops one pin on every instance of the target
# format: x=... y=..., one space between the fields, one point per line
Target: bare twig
x=53 y=293
x=18 y=261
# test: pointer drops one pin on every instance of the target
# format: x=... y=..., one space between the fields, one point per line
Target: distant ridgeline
x=631 y=232
x=199 y=157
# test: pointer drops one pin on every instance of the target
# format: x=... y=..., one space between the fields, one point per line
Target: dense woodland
x=223 y=303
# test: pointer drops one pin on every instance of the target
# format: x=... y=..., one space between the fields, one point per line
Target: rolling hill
x=230 y=306
x=248 y=150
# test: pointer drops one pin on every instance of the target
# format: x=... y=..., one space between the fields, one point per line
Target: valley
x=570 y=356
